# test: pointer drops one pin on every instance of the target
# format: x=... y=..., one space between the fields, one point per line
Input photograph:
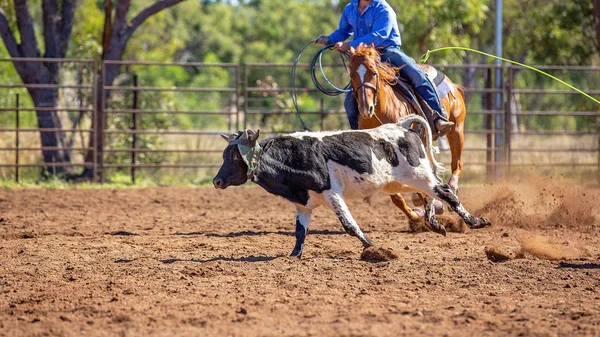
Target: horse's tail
x=429 y=148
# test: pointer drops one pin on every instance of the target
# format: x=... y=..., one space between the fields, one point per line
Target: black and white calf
x=324 y=168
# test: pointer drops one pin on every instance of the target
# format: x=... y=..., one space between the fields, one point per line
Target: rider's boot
x=440 y=125
x=443 y=127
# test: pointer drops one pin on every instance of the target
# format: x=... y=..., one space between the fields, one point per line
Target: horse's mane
x=386 y=72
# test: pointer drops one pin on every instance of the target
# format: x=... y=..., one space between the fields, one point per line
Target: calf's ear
x=254 y=137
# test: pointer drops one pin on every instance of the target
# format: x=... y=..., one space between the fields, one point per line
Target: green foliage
x=255 y=31
x=430 y=24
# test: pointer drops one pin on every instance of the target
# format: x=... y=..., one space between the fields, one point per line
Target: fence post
x=498 y=125
x=101 y=114
x=245 y=96
x=134 y=125
x=488 y=124
x=238 y=85
x=95 y=123
x=321 y=112
x=508 y=119
x=17 y=105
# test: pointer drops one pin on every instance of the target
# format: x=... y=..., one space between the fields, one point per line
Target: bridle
x=375 y=89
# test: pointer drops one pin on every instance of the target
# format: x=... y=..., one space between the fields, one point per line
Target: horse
x=379 y=103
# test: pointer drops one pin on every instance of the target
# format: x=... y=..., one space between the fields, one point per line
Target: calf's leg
x=337 y=203
x=303 y=215
x=446 y=193
x=430 y=216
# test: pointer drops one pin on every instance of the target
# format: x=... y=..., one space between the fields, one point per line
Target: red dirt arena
x=202 y=262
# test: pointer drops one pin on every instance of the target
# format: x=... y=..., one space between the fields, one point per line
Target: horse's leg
x=418 y=200
x=413 y=215
x=456 y=138
x=457 y=142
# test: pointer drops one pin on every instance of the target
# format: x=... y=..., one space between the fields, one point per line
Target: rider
x=374 y=22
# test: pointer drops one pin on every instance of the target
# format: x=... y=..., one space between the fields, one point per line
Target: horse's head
x=364 y=79
x=366 y=75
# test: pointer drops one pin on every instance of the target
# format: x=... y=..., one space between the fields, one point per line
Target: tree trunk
x=111 y=71
x=57 y=23
x=54 y=143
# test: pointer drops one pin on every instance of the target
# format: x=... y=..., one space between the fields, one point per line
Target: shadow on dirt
x=222 y=258
x=565 y=265
x=259 y=233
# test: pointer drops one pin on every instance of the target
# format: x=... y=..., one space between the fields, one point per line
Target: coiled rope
x=331 y=90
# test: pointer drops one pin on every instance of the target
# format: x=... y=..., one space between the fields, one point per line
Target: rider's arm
x=382 y=28
x=344 y=30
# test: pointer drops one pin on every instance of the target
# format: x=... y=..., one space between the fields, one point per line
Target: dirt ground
x=202 y=262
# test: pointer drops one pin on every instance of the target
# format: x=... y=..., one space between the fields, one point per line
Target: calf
x=323 y=168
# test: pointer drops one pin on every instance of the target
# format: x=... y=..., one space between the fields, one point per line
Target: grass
x=473 y=172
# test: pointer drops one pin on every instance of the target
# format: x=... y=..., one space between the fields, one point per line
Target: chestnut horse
x=372 y=84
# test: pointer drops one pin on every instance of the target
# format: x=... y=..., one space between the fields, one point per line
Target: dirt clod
x=377 y=254
x=495 y=254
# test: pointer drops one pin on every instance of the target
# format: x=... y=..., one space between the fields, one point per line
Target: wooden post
x=17 y=125
x=134 y=127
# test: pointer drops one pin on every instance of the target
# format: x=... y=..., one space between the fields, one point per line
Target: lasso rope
x=333 y=91
x=425 y=57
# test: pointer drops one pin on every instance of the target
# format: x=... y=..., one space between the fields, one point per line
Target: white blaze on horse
x=324 y=168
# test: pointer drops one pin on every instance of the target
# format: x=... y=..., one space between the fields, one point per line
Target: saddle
x=436 y=78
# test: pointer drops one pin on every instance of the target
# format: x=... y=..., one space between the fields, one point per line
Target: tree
x=57 y=17
x=118 y=29
x=41 y=76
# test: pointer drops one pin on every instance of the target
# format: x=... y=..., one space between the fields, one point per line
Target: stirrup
x=441 y=128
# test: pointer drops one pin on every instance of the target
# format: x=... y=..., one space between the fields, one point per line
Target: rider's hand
x=342 y=47
x=323 y=40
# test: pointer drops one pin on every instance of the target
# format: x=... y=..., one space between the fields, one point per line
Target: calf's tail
x=429 y=148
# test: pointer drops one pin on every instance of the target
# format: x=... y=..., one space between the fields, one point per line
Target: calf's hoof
x=440 y=229
x=481 y=223
x=296 y=253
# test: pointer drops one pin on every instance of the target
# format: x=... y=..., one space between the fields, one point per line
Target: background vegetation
x=537 y=32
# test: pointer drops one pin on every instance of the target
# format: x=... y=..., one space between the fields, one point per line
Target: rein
x=375 y=89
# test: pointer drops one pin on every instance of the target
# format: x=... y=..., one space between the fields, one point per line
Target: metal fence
x=141 y=131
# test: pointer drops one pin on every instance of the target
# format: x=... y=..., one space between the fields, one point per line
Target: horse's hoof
x=453 y=183
x=417 y=200
x=420 y=212
x=438 y=206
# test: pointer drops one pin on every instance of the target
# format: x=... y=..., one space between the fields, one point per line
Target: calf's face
x=234 y=170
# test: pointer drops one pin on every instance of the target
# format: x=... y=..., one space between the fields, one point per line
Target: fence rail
x=247 y=101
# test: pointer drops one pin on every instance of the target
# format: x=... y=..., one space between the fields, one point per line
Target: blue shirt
x=377 y=25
